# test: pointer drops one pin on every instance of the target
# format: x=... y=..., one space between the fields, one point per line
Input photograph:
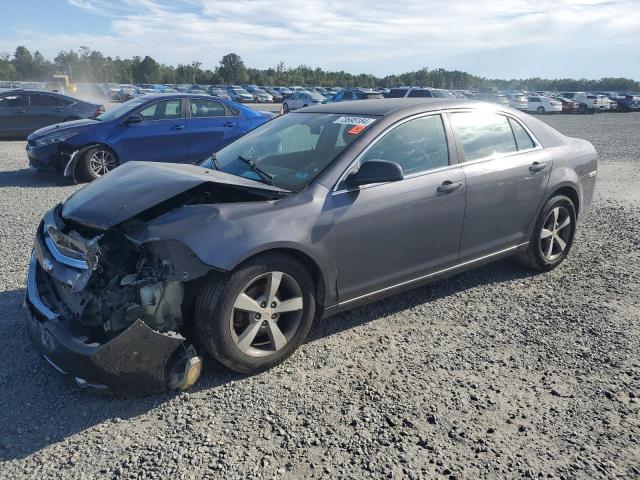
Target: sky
x=491 y=38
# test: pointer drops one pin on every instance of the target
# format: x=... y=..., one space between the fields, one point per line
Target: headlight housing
x=55 y=138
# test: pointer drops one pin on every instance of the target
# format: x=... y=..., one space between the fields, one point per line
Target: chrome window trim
x=460 y=163
x=433 y=274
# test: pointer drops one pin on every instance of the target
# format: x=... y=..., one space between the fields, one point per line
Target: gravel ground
x=495 y=373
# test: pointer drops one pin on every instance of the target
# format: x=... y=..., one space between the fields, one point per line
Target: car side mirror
x=375 y=171
x=132 y=119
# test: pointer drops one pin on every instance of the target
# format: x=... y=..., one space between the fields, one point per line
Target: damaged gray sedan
x=141 y=272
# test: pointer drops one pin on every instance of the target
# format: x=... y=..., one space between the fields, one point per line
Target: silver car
x=302 y=99
x=140 y=273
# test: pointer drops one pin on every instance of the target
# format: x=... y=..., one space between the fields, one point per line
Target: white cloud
x=372 y=36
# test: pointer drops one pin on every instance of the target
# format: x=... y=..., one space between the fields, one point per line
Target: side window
x=483 y=134
x=419 y=93
x=164 y=110
x=38 y=100
x=201 y=108
x=523 y=140
x=347 y=96
x=14 y=101
x=417 y=145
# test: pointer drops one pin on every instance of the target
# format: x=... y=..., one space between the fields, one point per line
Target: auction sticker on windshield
x=355 y=121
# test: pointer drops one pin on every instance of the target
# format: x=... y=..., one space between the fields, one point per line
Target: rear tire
x=96 y=162
x=552 y=235
x=256 y=316
x=285 y=107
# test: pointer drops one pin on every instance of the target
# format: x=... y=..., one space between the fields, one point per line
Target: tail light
x=99 y=111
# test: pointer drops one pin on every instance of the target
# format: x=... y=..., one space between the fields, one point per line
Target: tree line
x=87 y=65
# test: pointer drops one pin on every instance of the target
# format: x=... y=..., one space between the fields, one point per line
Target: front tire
x=96 y=162
x=256 y=316
x=540 y=110
x=552 y=235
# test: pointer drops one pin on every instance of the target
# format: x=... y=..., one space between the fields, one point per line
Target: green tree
x=7 y=72
x=232 y=69
x=23 y=63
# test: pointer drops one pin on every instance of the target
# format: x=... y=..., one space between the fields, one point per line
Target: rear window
x=397 y=93
x=201 y=108
x=38 y=100
x=523 y=140
x=419 y=93
x=483 y=134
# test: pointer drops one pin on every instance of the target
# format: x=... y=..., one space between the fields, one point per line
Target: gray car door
x=13 y=114
x=506 y=173
x=394 y=232
x=45 y=110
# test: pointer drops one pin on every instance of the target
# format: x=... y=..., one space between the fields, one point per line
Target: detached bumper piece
x=133 y=363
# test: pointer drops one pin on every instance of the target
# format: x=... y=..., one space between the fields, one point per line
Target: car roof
x=32 y=90
x=386 y=106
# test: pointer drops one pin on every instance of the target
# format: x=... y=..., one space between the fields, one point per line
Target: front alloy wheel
x=254 y=317
x=266 y=314
x=96 y=162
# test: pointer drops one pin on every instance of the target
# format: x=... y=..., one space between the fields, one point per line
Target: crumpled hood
x=65 y=127
x=135 y=187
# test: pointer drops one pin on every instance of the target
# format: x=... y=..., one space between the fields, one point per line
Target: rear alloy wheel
x=552 y=236
x=258 y=315
x=540 y=110
x=97 y=162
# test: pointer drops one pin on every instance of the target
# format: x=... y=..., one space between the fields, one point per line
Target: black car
x=24 y=111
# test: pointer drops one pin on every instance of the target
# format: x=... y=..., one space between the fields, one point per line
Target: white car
x=518 y=101
x=302 y=99
x=542 y=104
x=587 y=103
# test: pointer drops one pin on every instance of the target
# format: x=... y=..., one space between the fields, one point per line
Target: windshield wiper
x=266 y=176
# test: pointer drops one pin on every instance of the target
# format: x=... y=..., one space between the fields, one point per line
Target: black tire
x=285 y=107
x=534 y=257
x=582 y=108
x=84 y=167
x=540 y=110
x=215 y=306
x=305 y=106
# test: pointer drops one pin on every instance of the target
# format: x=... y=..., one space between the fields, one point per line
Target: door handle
x=448 y=186
x=21 y=111
x=537 y=166
x=229 y=124
x=60 y=110
x=177 y=127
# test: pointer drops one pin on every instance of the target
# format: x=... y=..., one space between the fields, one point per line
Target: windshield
x=121 y=109
x=293 y=149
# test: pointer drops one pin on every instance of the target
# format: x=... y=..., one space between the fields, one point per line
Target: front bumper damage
x=138 y=361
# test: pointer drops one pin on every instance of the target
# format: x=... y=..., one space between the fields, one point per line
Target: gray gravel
x=496 y=373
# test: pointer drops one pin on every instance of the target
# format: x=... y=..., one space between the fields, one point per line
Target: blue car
x=176 y=128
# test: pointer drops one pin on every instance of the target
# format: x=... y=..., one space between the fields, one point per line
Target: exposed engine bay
x=124 y=300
